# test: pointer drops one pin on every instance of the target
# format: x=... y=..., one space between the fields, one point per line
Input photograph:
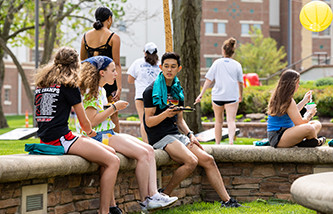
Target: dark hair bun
x=101 y=14
x=98 y=25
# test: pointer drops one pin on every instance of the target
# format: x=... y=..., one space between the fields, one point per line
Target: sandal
x=321 y=140
x=313 y=142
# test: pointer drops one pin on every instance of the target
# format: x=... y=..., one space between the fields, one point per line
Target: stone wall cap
x=24 y=166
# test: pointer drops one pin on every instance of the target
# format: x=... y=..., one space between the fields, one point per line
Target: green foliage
x=240 y=116
x=205 y=119
x=247 y=120
x=206 y=102
x=132 y=118
x=256 y=98
x=261 y=56
x=263 y=120
x=324 y=81
x=331 y=120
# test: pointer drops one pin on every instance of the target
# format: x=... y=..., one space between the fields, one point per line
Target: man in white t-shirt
x=142 y=73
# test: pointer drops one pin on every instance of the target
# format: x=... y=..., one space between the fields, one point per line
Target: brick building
x=222 y=19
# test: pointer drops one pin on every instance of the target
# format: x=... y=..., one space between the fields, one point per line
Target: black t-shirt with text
x=168 y=125
x=53 y=106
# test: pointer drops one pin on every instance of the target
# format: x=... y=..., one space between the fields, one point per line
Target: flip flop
x=313 y=142
x=321 y=140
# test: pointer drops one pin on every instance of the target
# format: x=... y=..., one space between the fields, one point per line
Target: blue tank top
x=274 y=123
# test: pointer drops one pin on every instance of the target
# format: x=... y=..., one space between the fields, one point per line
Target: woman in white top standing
x=142 y=73
x=227 y=91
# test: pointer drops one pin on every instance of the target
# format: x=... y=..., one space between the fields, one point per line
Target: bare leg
x=231 y=110
x=152 y=185
x=179 y=153
x=317 y=125
x=115 y=120
x=140 y=109
x=109 y=162
x=219 y=116
x=132 y=149
x=296 y=134
x=212 y=172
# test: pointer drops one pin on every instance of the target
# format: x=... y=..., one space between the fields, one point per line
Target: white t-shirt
x=144 y=74
x=227 y=73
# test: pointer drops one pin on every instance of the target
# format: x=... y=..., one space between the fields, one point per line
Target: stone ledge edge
x=23 y=166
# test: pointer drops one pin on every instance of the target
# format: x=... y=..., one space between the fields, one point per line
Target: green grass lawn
x=255 y=207
x=9 y=147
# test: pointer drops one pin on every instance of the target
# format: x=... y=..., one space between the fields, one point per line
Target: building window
x=209 y=62
x=215 y=27
x=245 y=29
x=40 y=55
x=257 y=26
x=325 y=33
x=221 y=28
x=7 y=94
x=248 y=26
x=209 y=28
x=123 y=61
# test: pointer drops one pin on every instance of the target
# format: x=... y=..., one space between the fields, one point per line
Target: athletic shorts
x=98 y=136
x=222 y=103
x=65 y=141
x=141 y=99
x=275 y=136
x=161 y=144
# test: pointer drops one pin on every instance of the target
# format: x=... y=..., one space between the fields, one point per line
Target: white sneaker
x=144 y=206
x=162 y=199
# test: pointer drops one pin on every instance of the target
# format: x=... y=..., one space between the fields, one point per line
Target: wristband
x=90 y=132
x=114 y=106
x=189 y=133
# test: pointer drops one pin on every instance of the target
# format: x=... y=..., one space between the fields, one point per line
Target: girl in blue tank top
x=285 y=126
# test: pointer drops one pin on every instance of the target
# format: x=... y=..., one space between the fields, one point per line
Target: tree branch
x=22 y=30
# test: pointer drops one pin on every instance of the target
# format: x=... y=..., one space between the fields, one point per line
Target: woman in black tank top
x=101 y=41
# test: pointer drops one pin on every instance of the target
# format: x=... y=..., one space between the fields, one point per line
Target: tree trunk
x=186 y=16
x=3 y=121
x=25 y=81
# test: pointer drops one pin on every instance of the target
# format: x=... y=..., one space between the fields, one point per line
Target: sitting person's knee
x=192 y=163
x=208 y=159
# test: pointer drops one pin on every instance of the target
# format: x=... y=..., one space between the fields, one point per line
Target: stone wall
x=249 y=173
x=247 y=129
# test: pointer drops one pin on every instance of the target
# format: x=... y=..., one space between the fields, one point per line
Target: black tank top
x=103 y=50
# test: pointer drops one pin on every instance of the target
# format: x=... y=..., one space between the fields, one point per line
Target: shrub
x=205 y=119
x=263 y=120
x=256 y=98
x=132 y=118
x=324 y=81
x=331 y=120
x=206 y=103
x=247 y=120
x=240 y=116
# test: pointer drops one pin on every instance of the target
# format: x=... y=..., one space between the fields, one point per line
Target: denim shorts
x=275 y=136
x=98 y=136
x=161 y=144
